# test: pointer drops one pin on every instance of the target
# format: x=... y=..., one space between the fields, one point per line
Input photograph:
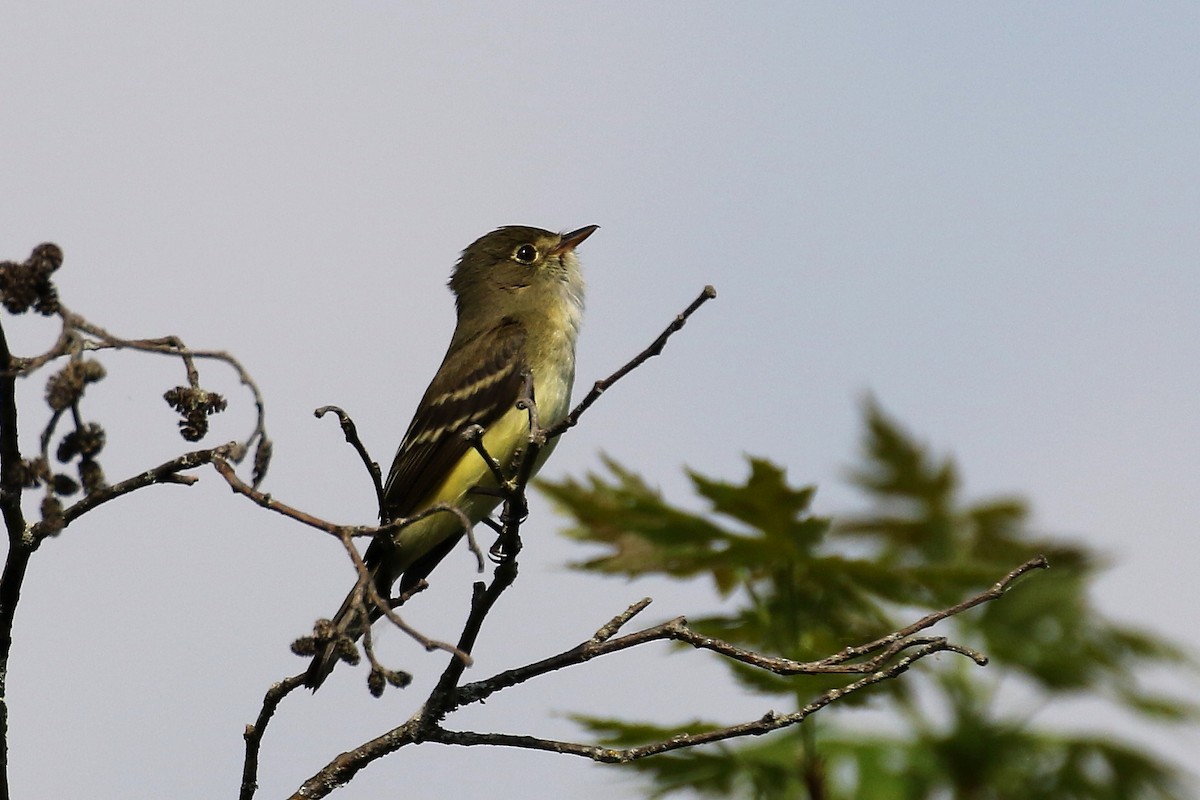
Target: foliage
x=805 y=587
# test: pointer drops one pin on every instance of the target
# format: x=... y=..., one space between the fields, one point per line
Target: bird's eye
x=526 y=254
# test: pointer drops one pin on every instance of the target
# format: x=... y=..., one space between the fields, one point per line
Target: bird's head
x=519 y=269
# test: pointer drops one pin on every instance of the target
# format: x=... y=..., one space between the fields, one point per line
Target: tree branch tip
x=710 y=292
x=323 y=410
x=186 y=480
x=1041 y=562
x=979 y=658
x=610 y=628
x=1007 y=581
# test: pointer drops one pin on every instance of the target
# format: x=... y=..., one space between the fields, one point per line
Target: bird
x=519 y=297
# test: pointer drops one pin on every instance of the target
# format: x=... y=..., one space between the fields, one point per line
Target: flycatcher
x=519 y=294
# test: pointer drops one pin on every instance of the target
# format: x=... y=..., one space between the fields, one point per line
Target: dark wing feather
x=475 y=385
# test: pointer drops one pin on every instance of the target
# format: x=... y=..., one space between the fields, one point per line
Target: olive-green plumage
x=519 y=294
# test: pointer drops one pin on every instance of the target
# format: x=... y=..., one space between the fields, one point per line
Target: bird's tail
x=348 y=623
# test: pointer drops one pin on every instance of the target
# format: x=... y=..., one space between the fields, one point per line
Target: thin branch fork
x=768 y=722
x=174 y=346
x=78 y=335
x=167 y=472
x=997 y=591
x=886 y=648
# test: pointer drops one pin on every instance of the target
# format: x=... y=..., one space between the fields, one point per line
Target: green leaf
x=766 y=503
x=797 y=586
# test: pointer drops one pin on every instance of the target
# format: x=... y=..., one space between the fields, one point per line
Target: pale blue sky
x=986 y=217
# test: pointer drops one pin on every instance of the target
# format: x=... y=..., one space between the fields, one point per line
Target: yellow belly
x=503 y=440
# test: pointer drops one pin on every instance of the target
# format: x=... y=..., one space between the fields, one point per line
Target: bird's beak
x=571 y=240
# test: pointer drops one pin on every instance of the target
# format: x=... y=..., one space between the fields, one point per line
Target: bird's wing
x=476 y=385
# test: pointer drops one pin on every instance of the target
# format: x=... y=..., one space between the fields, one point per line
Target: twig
x=271 y=504
x=173 y=346
x=167 y=472
x=473 y=434
x=239 y=486
x=447 y=696
x=678 y=630
x=610 y=628
x=442 y=698
x=350 y=431
x=254 y=733
x=48 y=433
x=385 y=607
x=11 y=483
x=422 y=726
x=655 y=348
x=77 y=335
x=768 y=722
x=516 y=505
x=929 y=620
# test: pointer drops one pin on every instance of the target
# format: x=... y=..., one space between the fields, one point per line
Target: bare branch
x=385 y=608
x=473 y=434
x=422 y=726
x=350 y=431
x=895 y=655
x=28 y=286
x=610 y=628
x=768 y=722
x=173 y=346
x=254 y=733
x=342 y=769
x=265 y=500
x=271 y=504
x=482 y=601
x=78 y=335
x=677 y=630
x=516 y=506
x=167 y=472
x=998 y=589
x=655 y=348
x=11 y=485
